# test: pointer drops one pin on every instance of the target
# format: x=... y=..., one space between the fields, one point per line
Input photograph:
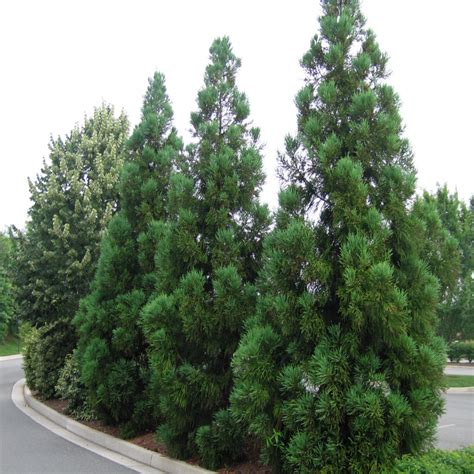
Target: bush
x=25 y=330
x=30 y=338
x=468 y=350
x=70 y=388
x=220 y=442
x=454 y=352
x=438 y=462
x=461 y=350
x=45 y=350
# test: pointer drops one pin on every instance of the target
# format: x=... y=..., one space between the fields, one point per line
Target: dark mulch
x=148 y=441
x=246 y=468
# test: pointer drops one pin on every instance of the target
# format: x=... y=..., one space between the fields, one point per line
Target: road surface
x=459 y=370
x=456 y=426
x=28 y=448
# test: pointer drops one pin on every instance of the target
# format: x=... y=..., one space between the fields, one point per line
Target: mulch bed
x=148 y=441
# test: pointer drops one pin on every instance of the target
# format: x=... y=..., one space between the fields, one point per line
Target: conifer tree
x=112 y=349
x=206 y=265
x=340 y=369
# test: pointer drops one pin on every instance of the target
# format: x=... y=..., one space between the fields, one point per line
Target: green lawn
x=9 y=346
x=459 y=380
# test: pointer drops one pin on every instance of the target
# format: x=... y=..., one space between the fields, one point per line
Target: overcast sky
x=61 y=58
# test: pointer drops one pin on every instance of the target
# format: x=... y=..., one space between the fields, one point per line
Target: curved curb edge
x=133 y=456
x=12 y=357
x=460 y=390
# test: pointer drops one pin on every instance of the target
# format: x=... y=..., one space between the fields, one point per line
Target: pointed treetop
x=220 y=101
x=157 y=116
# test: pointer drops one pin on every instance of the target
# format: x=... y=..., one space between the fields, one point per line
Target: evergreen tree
x=340 y=370
x=206 y=264
x=112 y=349
x=74 y=198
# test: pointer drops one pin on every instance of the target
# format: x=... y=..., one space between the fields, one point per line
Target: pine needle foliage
x=112 y=349
x=206 y=265
x=340 y=369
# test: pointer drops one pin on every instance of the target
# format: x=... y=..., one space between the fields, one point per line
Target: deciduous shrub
x=43 y=357
x=70 y=388
x=461 y=350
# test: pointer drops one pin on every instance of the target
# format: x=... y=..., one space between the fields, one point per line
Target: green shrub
x=461 y=350
x=30 y=338
x=70 y=388
x=220 y=442
x=468 y=350
x=454 y=352
x=438 y=462
x=24 y=331
x=45 y=350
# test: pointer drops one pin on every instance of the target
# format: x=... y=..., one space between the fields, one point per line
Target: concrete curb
x=460 y=390
x=12 y=357
x=124 y=448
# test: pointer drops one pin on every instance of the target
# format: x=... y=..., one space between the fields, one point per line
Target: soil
x=148 y=441
x=246 y=468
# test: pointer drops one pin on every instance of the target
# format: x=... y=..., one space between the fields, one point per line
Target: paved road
x=28 y=448
x=459 y=370
x=456 y=426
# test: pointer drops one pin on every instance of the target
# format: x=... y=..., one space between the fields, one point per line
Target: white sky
x=61 y=58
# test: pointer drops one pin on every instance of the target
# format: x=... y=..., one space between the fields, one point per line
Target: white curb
x=136 y=457
x=12 y=357
x=460 y=390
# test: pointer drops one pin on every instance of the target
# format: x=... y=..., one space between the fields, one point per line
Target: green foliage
x=437 y=462
x=7 y=299
x=73 y=198
x=31 y=340
x=25 y=330
x=69 y=387
x=461 y=350
x=340 y=369
x=54 y=259
x=451 y=258
x=44 y=352
x=112 y=349
x=207 y=259
x=222 y=442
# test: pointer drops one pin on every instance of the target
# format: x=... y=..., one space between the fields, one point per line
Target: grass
x=459 y=380
x=9 y=346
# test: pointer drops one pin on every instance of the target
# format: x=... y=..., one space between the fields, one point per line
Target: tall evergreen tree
x=74 y=198
x=206 y=263
x=340 y=369
x=112 y=349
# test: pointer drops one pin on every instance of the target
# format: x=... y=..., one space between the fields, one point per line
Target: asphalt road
x=28 y=448
x=459 y=370
x=456 y=426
